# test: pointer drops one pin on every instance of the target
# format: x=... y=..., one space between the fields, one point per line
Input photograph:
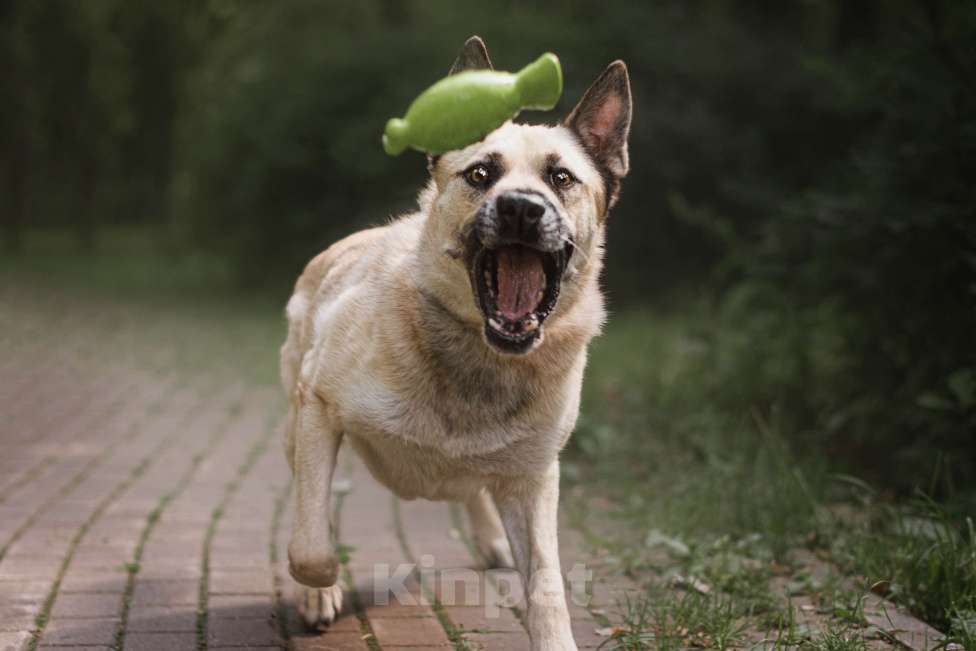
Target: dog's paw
x=496 y=553
x=318 y=607
x=318 y=569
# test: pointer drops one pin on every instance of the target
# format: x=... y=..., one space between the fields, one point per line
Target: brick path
x=145 y=501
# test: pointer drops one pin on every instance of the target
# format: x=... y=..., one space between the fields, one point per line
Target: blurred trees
x=866 y=280
x=808 y=166
x=94 y=90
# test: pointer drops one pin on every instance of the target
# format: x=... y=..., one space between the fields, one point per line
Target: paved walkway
x=145 y=502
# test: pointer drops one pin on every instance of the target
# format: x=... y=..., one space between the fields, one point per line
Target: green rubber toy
x=463 y=108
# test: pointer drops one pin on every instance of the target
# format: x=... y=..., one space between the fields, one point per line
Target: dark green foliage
x=864 y=286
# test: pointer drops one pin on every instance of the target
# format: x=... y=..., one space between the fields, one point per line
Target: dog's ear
x=601 y=120
x=473 y=56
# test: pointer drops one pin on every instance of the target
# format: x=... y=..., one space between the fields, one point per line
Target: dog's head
x=516 y=220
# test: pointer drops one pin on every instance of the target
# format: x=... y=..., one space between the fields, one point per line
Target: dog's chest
x=456 y=423
x=445 y=445
x=413 y=471
x=443 y=400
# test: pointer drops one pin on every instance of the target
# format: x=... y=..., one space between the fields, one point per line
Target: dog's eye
x=561 y=179
x=478 y=175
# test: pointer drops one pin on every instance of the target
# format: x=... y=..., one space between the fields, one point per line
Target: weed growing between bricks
x=255 y=453
x=458 y=523
x=133 y=567
x=365 y=628
x=138 y=471
x=280 y=609
x=454 y=634
x=25 y=478
x=44 y=616
x=81 y=476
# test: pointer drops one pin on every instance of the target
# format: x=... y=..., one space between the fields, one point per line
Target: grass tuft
x=920 y=555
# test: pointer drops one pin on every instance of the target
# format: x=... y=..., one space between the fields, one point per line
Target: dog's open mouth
x=517 y=287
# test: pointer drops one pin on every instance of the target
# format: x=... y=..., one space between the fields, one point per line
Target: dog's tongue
x=521 y=281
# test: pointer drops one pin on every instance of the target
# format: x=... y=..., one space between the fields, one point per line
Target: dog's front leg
x=529 y=513
x=311 y=557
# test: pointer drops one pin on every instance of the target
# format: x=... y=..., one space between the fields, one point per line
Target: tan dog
x=448 y=347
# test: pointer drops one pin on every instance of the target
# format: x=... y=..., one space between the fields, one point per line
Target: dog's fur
x=387 y=350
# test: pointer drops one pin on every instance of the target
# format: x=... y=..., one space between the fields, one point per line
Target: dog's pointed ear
x=601 y=120
x=473 y=56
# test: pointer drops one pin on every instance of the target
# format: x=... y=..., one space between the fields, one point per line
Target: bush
x=859 y=295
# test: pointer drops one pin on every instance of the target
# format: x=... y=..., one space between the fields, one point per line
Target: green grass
x=635 y=629
x=652 y=422
x=837 y=640
x=661 y=621
x=665 y=621
x=127 y=261
x=165 y=309
x=705 y=482
x=921 y=555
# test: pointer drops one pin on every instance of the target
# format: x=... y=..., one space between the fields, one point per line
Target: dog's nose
x=519 y=214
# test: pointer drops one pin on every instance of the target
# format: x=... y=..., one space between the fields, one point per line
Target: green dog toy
x=464 y=108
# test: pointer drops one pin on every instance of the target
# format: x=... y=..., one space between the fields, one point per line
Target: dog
x=448 y=347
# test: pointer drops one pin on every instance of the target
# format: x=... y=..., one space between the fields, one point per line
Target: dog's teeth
x=494 y=324
x=532 y=323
